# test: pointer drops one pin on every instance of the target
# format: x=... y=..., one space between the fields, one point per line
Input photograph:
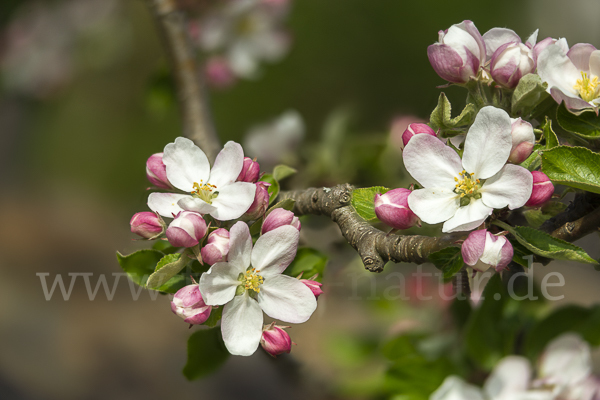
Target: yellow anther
x=455 y=179
x=252 y=280
x=587 y=87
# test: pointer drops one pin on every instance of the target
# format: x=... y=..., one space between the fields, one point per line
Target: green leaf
x=169 y=266
x=565 y=319
x=448 y=260
x=273 y=189
x=585 y=125
x=139 y=265
x=214 y=318
x=534 y=160
x=281 y=172
x=441 y=118
x=529 y=92
x=206 y=353
x=535 y=217
x=544 y=245
x=287 y=204
x=309 y=262
x=549 y=135
x=577 y=167
x=521 y=254
x=363 y=201
x=164 y=247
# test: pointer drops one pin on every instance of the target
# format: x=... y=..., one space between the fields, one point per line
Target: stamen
x=588 y=88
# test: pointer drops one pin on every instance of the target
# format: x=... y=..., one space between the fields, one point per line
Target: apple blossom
x=147 y=225
x=188 y=304
x=523 y=140
x=186 y=230
x=543 y=189
x=416 y=129
x=156 y=172
x=572 y=75
x=250 y=171
x=392 y=209
x=280 y=217
x=261 y=201
x=463 y=193
x=482 y=250
x=459 y=53
x=216 y=247
x=251 y=282
x=213 y=192
x=275 y=340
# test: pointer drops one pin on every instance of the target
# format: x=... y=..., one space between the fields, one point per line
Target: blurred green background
x=73 y=174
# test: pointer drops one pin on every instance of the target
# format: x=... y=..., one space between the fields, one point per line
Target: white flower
x=572 y=74
x=510 y=380
x=246 y=32
x=463 y=193
x=213 y=192
x=251 y=282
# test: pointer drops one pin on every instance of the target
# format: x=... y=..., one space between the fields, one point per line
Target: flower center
x=467 y=187
x=250 y=280
x=205 y=191
x=587 y=87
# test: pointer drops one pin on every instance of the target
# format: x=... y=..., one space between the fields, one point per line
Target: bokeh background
x=85 y=100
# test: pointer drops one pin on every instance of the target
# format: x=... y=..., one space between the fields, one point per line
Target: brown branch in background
x=375 y=247
x=191 y=92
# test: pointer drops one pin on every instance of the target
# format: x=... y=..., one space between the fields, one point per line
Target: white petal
x=566 y=360
x=488 y=143
x=510 y=377
x=595 y=63
x=190 y=203
x=233 y=200
x=242 y=325
x=462 y=41
x=228 y=165
x=219 y=283
x=510 y=187
x=434 y=205
x=496 y=37
x=431 y=162
x=275 y=250
x=166 y=203
x=287 y=299
x=558 y=70
x=240 y=246
x=454 y=388
x=242 y=61
x=531 y=41
x=186 y=163
x=468 y=217
x=492 y=251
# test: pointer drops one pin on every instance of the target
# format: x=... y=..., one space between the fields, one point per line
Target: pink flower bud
x=189 y=305
x=416 y=129
x=280 y=217
x=147 y=225
x=459 y=53
x=392 y=209
x=217 y=247
x=261 y=201
x=250 y=171
x=482 y=250
x=542 y=189
x=510 y=62
x=314 y=286
x=156 y=172
x=218 y=73
x=275 y=340
x=187 y=229
x=523 y=140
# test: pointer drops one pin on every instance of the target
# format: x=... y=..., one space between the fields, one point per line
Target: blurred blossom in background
x=86 y=99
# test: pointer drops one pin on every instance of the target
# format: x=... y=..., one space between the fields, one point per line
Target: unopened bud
x=280 y=217
x=275 y=340
x=261 y=201
x=147 y=225
x=187 y=229
x=482 y=250
x=523 y=140
x=218 y=73
x=217 y=247
x=314 y=286
x=156 y=172
x=392 y=209
x=250 y=171
x=189 y=305
x=416 y=129
x=542 y=189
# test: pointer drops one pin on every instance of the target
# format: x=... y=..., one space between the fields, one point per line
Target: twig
x=191 y=93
